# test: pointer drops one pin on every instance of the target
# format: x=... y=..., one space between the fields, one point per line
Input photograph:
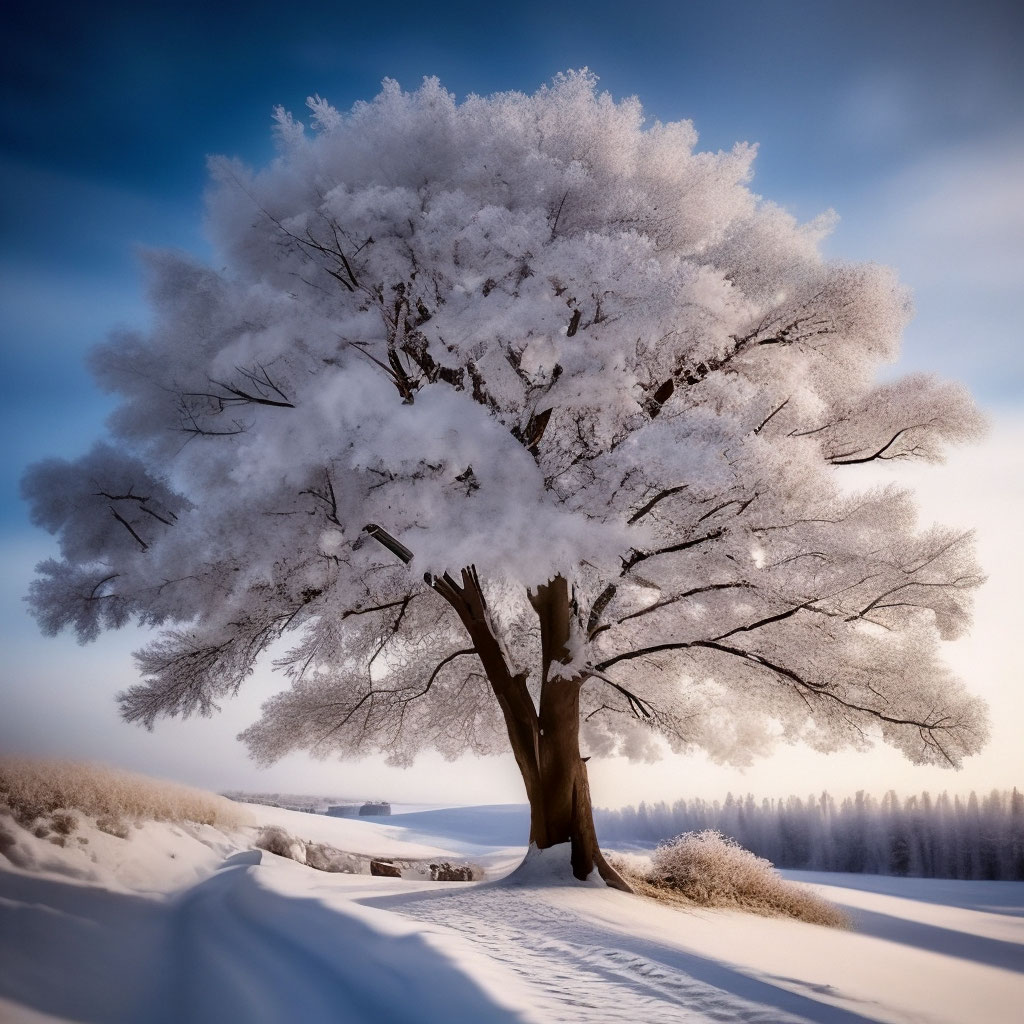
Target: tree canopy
x=451 y=347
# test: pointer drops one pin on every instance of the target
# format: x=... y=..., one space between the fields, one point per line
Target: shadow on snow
x=227 y=950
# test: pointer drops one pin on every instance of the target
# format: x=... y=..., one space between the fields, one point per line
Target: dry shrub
x=63 y=823
x=277 y=840
x=639 y=879
x=35 y=788
x=708 y=869
x=8 y=840
x=113 y=826
x=327 y=858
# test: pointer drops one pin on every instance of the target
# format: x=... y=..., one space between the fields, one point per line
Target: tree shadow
x=948 y=941
x=991 y=897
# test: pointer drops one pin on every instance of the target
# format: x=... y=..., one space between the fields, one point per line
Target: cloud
x=958 y=217
x=954 y=217
x=952 y=223
x=878 y=109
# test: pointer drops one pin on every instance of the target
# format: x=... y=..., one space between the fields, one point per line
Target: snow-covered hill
x=188 y=923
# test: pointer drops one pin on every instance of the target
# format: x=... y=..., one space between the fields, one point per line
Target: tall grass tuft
x=33 y=788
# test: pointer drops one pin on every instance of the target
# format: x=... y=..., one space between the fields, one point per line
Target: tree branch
x=764 y=423
x=397 y=548
x=639 y=556
x=128 y=526
x=841 y=460
x=660 y=496
x=680 y=597
x=600 y=603
x=818 y=689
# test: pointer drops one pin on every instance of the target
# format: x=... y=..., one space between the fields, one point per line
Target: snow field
x=182 y=922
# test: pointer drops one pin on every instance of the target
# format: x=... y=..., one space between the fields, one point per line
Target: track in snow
x=579 y=971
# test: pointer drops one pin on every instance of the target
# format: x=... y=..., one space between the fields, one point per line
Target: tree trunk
x=561 y=811
x=546 y=744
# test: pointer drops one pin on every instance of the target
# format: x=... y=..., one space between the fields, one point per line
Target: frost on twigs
x=527 y=337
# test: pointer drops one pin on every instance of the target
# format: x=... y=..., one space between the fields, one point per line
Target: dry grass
x=34 y=788
x=706 y=869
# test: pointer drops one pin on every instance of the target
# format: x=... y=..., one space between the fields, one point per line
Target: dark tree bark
x=545 y=743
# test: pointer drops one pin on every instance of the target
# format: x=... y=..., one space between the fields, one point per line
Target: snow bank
x=253 y=942
x=353 y=835
x=154 y=857
x=548 y=867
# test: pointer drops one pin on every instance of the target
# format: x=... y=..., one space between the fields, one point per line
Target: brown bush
x=708 y=869
x=63 y=823
x=8 y=840
x=112 y=826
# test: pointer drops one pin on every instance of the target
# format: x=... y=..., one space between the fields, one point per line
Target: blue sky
x=905 y=117
x=109 y=111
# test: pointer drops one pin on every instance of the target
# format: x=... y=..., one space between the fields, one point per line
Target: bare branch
x=680 y=597
x=128 y=526
x=764 y=423
x=841 y=460
x=660 y=496
x=640 y=556
x=600 y=603
x=398 y=549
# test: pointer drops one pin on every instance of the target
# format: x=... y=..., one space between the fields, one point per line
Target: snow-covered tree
x=528 y=423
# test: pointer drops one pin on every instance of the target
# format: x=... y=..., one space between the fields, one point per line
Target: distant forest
x=925 y=836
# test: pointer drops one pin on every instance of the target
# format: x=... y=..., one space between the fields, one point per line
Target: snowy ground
x=187 y=924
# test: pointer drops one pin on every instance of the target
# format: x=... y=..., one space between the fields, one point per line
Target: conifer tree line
x=931 y=837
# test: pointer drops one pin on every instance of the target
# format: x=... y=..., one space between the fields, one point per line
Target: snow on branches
x=538 y=336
